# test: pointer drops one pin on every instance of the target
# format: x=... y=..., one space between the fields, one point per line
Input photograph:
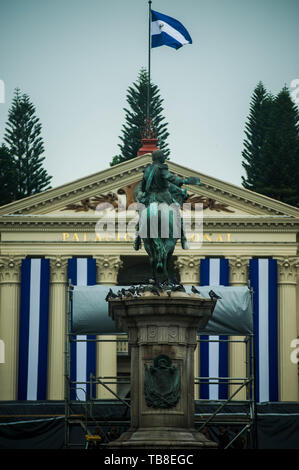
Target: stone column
x=57 y=318
x=10 y=277
x=238 y=276
x=287 y=322
x=189 y=269
x=107 y=272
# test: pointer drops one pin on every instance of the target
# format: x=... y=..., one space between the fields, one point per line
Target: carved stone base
x=162 y=339
x=163 y=438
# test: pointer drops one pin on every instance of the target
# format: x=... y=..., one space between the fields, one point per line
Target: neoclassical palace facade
x=60 y=224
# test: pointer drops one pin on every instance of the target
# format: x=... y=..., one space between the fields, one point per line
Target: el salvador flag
x=34 y=324
x=213 y=353
x=166 y=31
x=82 y=272
x=263 y=278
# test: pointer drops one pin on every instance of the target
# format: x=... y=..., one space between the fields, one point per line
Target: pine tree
x=271 y=150
x=7 y=176
x=25 y=144
x=136 y=117
x=256 y=130
x=281 y=151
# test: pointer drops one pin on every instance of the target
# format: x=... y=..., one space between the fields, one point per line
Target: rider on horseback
x=161 y=186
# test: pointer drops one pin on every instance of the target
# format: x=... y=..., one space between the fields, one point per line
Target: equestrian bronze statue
x=159 y=199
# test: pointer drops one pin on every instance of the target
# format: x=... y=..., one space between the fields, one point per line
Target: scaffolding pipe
x=222 y=406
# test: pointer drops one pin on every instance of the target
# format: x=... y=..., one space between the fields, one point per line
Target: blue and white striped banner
x=82 y=272
x=33 y=338
x=263 y=278
x=213 y=356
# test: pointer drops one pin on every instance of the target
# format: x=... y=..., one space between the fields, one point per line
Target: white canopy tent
x=232 y=314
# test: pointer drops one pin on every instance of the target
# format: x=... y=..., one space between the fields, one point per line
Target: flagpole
x=149 y=61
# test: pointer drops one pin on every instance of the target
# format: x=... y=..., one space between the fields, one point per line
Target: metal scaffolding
x=210 y=415
x=244 y=416
x=82 y=412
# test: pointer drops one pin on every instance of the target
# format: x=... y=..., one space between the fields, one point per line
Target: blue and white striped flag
x=82 y=272
x=166 y=31
x=213 y=356
x=33 y=338
x=263 y=278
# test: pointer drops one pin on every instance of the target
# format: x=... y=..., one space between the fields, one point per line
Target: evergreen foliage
x=255 y=131
x=271 y=148
x=135 y=116
x=25 y=144
x=7 y=176
x=281 y=151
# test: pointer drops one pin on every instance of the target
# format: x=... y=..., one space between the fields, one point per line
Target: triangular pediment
x=81 y=196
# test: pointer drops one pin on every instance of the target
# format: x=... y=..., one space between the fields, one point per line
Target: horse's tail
x=159 y=247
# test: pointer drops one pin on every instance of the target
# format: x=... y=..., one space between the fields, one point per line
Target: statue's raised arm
x=192 y=180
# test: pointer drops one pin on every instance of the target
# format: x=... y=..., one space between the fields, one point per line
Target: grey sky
x=76 y=59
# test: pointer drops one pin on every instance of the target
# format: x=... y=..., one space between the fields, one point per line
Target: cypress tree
x=25 y=144
x=7 y=176
x=281 y=151
x=135 y=117
x=256 y=130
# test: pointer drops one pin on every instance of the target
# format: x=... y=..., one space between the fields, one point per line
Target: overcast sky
x=76 y=59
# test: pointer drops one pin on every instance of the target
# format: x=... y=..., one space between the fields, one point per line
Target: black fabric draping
x=33 y=425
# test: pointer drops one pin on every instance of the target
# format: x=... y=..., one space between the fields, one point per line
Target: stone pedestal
x=162 y=326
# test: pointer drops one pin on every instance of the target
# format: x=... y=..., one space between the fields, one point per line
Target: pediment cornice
x=129 y=172
x=235 y=196
x=124 y=173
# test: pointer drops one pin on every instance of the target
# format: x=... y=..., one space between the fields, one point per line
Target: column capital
x=107 y=268
x=10 y=268
x=188 y=267
x=288 y=269
x=238 y=269
x=58 y=268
